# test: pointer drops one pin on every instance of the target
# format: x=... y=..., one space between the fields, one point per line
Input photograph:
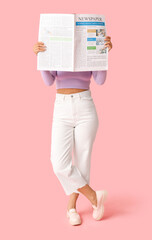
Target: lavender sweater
x=73 y=79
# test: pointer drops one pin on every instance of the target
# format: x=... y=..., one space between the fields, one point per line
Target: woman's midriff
x=70 y=90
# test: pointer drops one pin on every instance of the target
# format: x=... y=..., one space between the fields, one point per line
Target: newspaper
x=74 y=42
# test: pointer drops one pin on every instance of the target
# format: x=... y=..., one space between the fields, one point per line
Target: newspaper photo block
x=75 y=42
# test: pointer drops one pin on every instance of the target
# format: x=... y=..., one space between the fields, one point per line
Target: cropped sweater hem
x=72 y=83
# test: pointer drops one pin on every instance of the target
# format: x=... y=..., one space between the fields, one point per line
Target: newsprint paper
x=74 y=42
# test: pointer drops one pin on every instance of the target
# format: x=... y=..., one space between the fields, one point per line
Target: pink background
x=32 y=202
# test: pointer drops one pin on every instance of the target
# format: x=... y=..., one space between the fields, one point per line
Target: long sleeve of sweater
x=99 y=76
x=48 y=77
x=73 y=79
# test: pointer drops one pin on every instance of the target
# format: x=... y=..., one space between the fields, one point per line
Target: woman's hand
x=108 y=43
x=39 y=47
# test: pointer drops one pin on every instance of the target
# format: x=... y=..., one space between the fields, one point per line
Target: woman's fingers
x=40 y=43
x=39 y=47
x=107 y=37
x=108 y=43
x=109 y=47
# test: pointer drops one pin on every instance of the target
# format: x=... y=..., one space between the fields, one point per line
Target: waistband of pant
x=86 y=93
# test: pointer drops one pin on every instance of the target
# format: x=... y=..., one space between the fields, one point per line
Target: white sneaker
x=99 y=210
x=74 y=217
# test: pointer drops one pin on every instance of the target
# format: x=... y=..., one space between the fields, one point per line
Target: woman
x=74 y=127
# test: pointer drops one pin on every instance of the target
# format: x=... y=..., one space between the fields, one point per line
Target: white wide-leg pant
x=74 y=126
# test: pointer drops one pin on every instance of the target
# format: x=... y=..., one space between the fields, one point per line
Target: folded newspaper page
x=75 y=42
